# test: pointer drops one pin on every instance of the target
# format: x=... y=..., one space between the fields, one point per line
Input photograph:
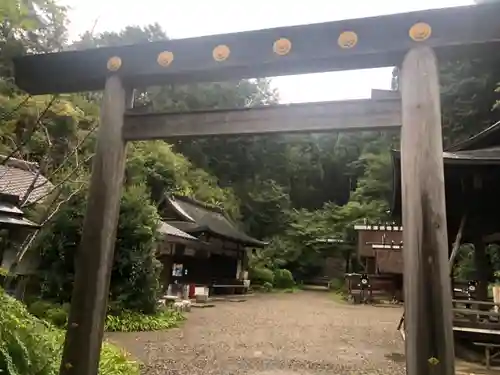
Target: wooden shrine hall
x=472 y=185
x=215 y=255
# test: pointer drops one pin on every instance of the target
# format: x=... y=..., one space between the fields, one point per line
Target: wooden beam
x=428 y=317
x=361 y=114
x=378 y=94
x=457 y=243
x=95 y=255
x=491 y=238
x=340 y=45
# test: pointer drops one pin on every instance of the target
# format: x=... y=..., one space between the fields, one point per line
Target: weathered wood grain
x=380 y=41
x=361 y=114
x=95 y=255
x=428 y=317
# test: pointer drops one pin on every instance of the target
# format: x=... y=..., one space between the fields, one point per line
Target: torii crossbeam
x=411 y=39
x=340 y=45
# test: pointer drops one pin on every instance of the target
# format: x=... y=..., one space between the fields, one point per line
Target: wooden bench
x=471 y=302
x=491 y=351
x=470 y=320
x=480 y=327
x=319 y=281
x=480 y=314
x=243 y=287
x=228 y=286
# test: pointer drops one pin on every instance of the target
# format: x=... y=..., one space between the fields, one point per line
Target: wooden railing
x=476 y=316
x=380 y=286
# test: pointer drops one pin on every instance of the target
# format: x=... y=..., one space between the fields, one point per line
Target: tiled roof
x=489 y=137
x=12 y=221
x=210 y=219
x=16 y=181
x=173 y=231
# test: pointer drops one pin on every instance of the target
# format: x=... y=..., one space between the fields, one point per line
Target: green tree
x=164 y=171
x=265 y=206
x=27 y=27
x=135 y=280
x=135 y=276
x=469 y=96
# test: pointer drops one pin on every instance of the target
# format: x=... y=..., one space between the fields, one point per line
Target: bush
x=261 y=275
x=129 y=321
x=29 y=345
x=39 y=308
x=58 y=317
x=268 y=287
x=116 y=361
x=338 y=285
x=119 y=321
x=52 y=313
x=136 y=271
x=283 y=279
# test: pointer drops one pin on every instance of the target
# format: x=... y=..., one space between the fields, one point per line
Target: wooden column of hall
x=83 y=343
x=428 y=319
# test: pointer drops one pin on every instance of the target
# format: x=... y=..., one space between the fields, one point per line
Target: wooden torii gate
x=411 y=40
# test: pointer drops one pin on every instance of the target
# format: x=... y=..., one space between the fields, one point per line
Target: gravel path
x=305 y=333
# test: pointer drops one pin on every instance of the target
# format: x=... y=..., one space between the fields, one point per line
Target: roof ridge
x=472 y=140
x=201 y=204
x=19 y=163
x=214 y=218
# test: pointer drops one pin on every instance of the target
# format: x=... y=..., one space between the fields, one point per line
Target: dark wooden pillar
x=167 y=261
x=482 y=267
x=428 y=319
x=95 y=256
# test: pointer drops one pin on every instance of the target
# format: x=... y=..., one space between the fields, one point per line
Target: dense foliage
x=135 y=272
x=121 y=321
x=283 y=279
x=32 y=346
x=130 y=321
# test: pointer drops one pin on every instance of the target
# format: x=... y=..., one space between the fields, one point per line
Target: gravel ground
x=305 y=333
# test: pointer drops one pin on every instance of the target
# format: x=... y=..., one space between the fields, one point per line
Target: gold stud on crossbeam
x=347 y=39
x=165 y=58
x=282 y=46
x=420 y=31
x=221 y=52
x=114 y=63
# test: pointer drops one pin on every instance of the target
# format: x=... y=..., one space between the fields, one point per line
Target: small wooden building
x=172 y=248
x=379 y=248
x=380 y=254
x=20 y=183
x=14 y=228
x=215 y=253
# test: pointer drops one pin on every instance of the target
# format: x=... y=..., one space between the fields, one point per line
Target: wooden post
x=457 y=243
x=483 y=271
x=428 y=319
x=95 y=256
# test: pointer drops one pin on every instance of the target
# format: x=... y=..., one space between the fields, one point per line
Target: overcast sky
x=189 y=18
